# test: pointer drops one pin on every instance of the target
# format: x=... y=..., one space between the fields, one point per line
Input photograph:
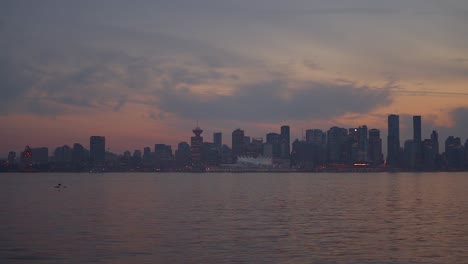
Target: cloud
x=274 y=101
x=54 y=69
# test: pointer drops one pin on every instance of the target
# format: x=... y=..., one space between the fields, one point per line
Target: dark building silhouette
x=454 y=154
x=336 y=148
x=303 y=155
x=319 y=139
x=63 y=157
x=408 y=154
x=147 y=156
x=285 y=139
x=196 y=143
x=40 y=155
x=79 y=155
x=255 y=148
x=238 y=143
x=435 y=141
x=375 y=147
x=211 y=155
x=183 y=156
x=416 y=159
x=218 y=139
x=12 y=159
x=363 y=144
x=428 y=155
x=97 y=150
x=26 y=158
x=162 y=152
x=393 y=140
x=273 y=145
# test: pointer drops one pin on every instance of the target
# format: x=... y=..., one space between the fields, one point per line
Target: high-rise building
x=196 y=143
x=393 y=140
x=97 y=148
x=238 y=144
x=285 y=142
x=375 y=147
x=218 y=139
x=40 y=155
x=315 y=136
x=417 y=143
x=183 y=155
x=336 y=137
x=435 y=141
x=273 y=140
x=11 y=158
x=363 y=144
x=63 y=155
x=26 y=158
x=78 y=154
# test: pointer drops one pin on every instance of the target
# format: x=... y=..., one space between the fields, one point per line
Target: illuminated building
x=26 y=158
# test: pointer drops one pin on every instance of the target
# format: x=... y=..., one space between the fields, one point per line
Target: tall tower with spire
x=196 y=143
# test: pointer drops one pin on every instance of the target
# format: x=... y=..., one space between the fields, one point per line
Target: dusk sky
x=143 y=72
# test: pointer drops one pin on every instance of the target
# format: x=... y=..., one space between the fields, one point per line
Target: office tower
x=375 y=147
x=417 y=153
x=218 y=139
x=78 y=154
x=63 y=155
x=454 y=153
x=183 y=155
x=285 y=142
x=435 y=141
x=40 y=155
x=246 y=140
x=393 y=140
x=26 y=158
x=196 y=143
x=315 y=136
x=273 y=140
x=363 y=144
x=336 y=137
x=238 y=146
x=11 y=158
x=97 y=148
x=428 y=154
x=162 y=152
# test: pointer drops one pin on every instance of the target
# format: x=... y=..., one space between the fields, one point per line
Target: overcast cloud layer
x=235 y=62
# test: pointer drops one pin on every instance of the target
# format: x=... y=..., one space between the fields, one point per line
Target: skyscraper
x=417 y=152
x=435 y=141
x=196 y=143
x=375 y=147
x=336 y=137
x=238 y=146
x=97 y=150
x=218 y=139
x=285 y=142
x=363 y=144
x=393 y=140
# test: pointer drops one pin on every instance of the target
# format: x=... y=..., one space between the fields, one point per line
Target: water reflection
x=248 y=218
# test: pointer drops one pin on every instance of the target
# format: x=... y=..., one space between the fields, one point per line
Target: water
x=234 y=218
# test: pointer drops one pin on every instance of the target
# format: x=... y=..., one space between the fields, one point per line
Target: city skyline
x=209 y=136
x=141 y=73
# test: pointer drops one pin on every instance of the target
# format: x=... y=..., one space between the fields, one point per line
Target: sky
x=144 y=72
